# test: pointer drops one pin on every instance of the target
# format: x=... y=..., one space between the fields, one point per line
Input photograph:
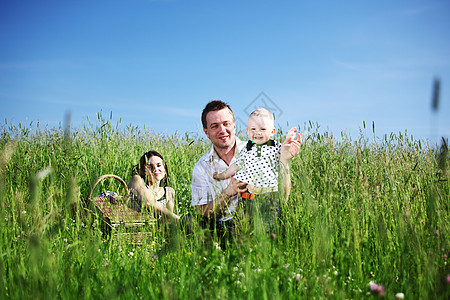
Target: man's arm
x=218 y=205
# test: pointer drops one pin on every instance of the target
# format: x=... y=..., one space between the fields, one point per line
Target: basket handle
x=100 y=178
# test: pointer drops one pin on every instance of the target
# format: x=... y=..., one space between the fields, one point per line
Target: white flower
x=130 y=253
x=399 y=296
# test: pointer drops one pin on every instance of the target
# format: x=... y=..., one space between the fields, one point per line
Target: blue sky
x=157 y=63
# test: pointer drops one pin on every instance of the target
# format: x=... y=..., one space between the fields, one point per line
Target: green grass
x=371 y=209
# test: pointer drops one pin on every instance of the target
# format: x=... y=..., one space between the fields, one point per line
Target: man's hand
x=235 y=187
x=291 y=145
x=216 y=206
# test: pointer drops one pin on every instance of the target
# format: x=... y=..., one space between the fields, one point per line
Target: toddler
x=258 y=163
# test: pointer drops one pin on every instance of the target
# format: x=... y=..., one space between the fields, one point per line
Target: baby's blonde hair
x=263 y=112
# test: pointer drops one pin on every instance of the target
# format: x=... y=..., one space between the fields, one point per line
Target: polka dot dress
x=258 y=164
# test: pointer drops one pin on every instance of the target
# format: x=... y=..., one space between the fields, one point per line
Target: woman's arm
x=138 y=188
x=170 y=198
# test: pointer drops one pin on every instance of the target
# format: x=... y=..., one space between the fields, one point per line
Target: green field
x=374 y=209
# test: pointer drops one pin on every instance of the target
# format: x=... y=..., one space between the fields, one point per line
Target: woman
x=146 y=187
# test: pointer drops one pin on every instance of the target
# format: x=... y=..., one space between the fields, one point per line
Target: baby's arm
x=228 y=173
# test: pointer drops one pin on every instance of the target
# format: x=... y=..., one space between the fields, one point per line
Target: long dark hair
x=144 y=161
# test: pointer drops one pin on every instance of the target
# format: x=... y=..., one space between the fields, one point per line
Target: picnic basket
x=121 y=214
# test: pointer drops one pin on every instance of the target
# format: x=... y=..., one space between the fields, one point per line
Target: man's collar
x=212 y=154
x=239 y=146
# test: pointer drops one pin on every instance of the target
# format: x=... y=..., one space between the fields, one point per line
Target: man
x=217 y=200
x=211 y=197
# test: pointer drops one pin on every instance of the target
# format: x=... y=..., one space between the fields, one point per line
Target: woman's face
x=155 y=169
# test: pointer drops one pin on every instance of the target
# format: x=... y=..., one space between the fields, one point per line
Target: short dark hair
x=214 y=105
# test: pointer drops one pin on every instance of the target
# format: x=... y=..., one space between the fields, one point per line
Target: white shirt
x=205 y=188
x=258 y=166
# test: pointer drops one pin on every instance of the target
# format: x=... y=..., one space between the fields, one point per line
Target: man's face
x=220 y=128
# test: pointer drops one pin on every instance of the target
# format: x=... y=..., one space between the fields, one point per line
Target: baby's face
x=260 y=129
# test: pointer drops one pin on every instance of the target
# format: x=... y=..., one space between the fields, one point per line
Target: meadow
x=366 y=218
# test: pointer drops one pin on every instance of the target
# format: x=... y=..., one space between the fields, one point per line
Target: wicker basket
x=118 y=210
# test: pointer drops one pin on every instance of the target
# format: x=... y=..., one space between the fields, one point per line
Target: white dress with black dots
x=258 y=164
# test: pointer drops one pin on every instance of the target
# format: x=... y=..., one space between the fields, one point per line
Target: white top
x=205 y=188
x=258 y=164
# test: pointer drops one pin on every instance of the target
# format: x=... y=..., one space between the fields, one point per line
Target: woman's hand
x=150 y=175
